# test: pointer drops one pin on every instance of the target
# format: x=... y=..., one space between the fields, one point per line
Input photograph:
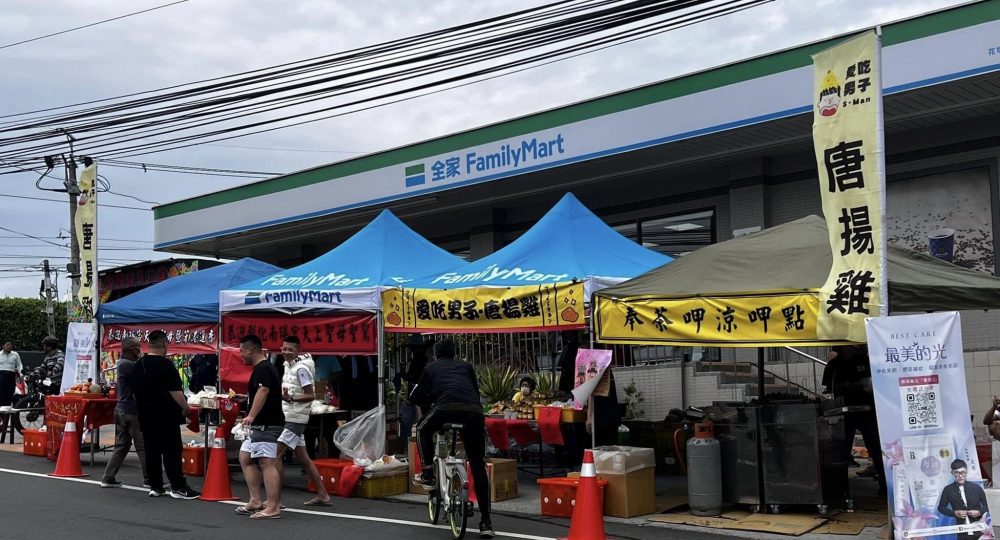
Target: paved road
x=48 y=507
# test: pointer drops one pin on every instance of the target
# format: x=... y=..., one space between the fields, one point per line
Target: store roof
x=937 y=68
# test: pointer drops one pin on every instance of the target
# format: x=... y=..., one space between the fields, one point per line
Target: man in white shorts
x=297 y=394
x=265 y=421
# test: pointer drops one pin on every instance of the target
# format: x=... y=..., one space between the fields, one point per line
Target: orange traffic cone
x=588 y=514
x=68 y=463
x=217 y=487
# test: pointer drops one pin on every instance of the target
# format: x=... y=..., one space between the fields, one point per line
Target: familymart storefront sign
x=726 y=98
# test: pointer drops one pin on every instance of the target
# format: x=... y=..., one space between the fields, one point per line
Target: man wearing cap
x=127 y=429
x=964 y=501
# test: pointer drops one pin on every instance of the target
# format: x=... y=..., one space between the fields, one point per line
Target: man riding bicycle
x=450 y=390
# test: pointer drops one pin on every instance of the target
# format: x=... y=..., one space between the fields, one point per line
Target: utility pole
x=47 y=293
x=73 y=189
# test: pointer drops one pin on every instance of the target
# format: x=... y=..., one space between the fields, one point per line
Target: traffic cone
x=588 y=514
x=217 y=487
x=68 y=463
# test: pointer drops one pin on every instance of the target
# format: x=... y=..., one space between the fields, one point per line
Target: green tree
x=22 y=322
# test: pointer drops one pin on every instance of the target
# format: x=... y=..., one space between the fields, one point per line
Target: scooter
x=38 y=384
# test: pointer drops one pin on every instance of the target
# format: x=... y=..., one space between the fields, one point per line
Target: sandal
x=317 y=502
x=244 y=510
x=262 y=515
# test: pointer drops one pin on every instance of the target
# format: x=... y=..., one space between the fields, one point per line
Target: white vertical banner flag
x=932 y=469
x=81 y=355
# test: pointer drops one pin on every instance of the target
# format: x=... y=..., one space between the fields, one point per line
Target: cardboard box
x=630 y=494
x=503 y=478
x=622 y=459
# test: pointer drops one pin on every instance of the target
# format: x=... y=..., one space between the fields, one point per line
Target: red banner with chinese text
x=331 y=334
x=196 y=338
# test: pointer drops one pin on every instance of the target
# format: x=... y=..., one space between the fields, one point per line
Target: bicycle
x=451 y=484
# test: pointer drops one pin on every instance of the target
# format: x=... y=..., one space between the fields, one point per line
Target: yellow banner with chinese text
x=760 y=320
x=484 y=309
x=84 y=304
x=848 y=138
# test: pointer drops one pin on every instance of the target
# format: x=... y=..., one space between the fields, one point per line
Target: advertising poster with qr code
x=934 y=479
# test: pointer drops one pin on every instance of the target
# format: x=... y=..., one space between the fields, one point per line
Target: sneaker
x=486 y=530
x=420 y=481
x=157 y=492
x=184 y=493
x=110 y=483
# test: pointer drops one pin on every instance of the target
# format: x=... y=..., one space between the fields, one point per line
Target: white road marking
x=293 y=510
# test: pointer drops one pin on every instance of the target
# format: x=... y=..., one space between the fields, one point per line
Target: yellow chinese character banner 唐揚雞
x=760 y=320
x=848 y=138
x=484 y=309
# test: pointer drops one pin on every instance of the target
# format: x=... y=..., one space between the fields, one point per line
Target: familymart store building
x=675 y=165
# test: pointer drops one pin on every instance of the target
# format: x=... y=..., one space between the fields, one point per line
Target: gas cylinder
x=704 y=468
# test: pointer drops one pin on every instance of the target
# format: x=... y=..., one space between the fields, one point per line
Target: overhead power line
x=68 y=30
x=283 y=96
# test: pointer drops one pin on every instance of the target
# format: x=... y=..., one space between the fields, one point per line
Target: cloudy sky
x=200 y=39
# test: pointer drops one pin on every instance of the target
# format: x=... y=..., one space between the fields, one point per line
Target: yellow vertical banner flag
x=848 y=138
x=85 y=304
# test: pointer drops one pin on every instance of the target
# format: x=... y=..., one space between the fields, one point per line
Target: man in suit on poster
x=964 y=501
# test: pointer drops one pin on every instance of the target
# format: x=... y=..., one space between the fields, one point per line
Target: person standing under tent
x=266 y=421
x=297 y=394
x=161 y=405
x=127 y=430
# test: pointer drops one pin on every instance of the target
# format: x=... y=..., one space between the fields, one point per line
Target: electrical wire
x=609 y=15
x=100 y=205
x=90 y=25
x=29 y=236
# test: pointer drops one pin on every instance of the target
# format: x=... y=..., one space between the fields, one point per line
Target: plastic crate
x=330 y=470
x=385 y=486
x=193 y=461
x=558 y=495
x=34 y=442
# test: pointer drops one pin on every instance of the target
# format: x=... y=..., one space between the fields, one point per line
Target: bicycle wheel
x=434 y=507
x=457 y=517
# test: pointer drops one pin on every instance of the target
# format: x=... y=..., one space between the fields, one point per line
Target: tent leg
x=590 y=405
x=761 y=381
x=381 y=359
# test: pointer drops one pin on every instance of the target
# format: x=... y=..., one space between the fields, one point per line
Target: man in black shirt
x=449 y=387
x=162 y=407
x=204 y=372
x=265 y=420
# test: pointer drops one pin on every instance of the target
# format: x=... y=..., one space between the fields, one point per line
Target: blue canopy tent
x=568 y=243
x=189 y=298
x=385 y=253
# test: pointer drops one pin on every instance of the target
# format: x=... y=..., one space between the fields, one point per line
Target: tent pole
x=381 y=359
x=761 y=380
x=590 y=405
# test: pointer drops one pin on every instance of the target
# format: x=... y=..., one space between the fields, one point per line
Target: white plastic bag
x=240 y=432
x=363 y=439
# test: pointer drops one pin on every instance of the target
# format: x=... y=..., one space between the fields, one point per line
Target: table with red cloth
x=86 y=413
x=545 y=429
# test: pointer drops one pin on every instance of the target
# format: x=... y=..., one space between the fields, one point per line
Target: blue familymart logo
x=477 y=163
x=251 y=299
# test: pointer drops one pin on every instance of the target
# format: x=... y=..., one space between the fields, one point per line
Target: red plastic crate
x=329 y=470
x=193 y=461
x=34 y=442
x=558 y=495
